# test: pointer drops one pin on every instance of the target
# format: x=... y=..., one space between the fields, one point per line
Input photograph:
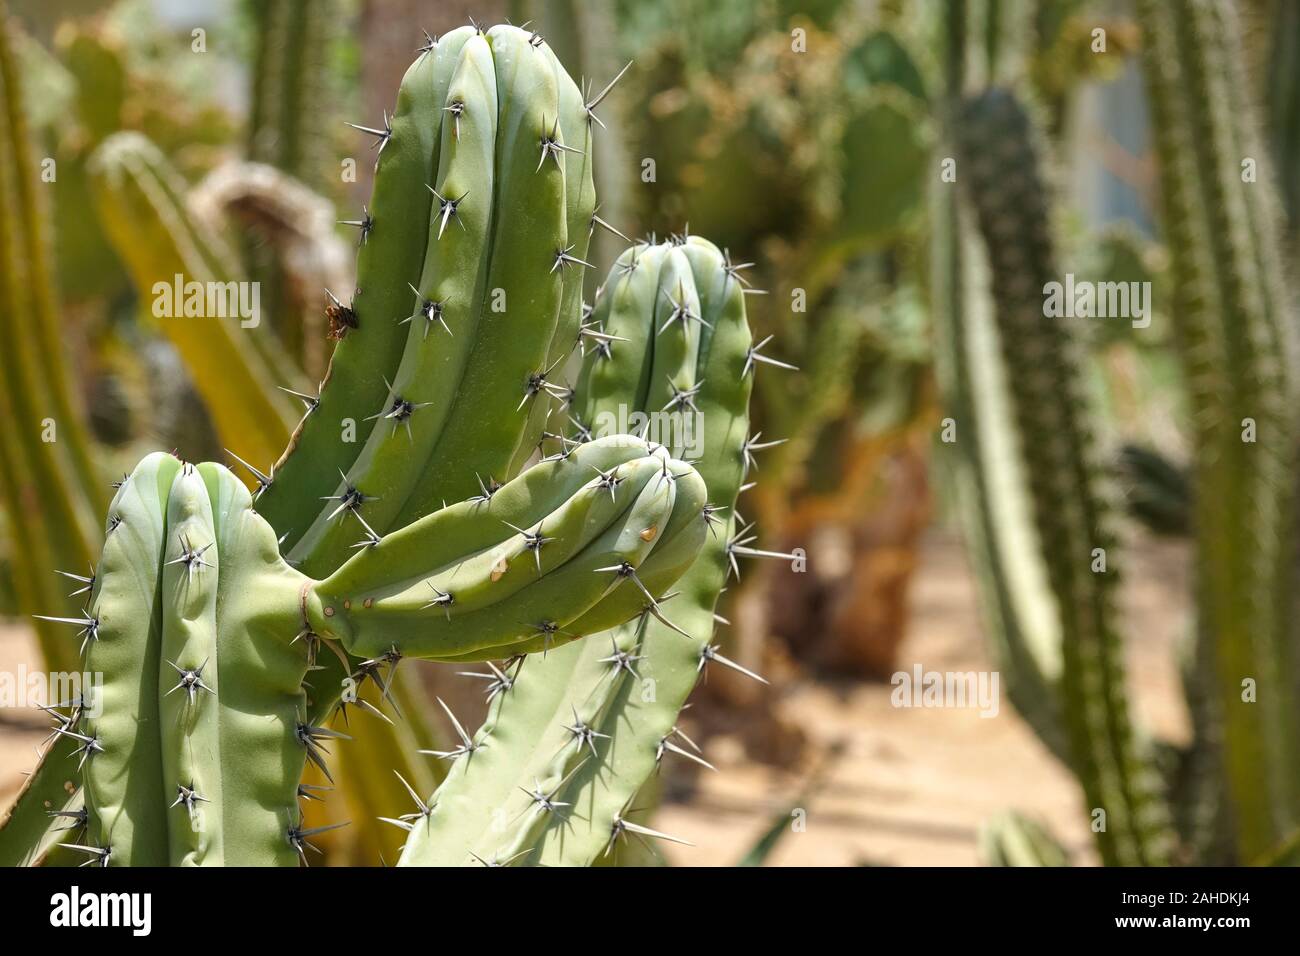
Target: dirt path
x=913 y=785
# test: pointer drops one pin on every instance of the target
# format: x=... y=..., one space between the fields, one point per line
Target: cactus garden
x=636 y=434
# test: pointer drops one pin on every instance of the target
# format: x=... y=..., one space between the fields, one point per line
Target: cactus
x=250 y=611
x=1058 y=450
x=289 y=85
x=494 y=258
x=1236 y=334
x=234 y=367
x=287 y=126
x=48 y=486
x=204 y=635
x=1011 y=839
x=668 y=333
x=1230 y=791
x=986 y=476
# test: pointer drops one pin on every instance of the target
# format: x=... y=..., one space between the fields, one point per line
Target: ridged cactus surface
x=469 y=279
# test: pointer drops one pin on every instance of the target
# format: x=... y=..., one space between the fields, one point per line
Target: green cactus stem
x=1237 y=338
x=1058 y=449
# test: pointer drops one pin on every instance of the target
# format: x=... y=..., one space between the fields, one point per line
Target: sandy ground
x=911 y=786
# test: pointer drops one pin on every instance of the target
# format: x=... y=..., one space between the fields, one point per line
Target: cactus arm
x=506 y=215
x=190 y=583
x=639 y=722
x=1059 y=453
x=1237 y=343
x=437 y=349
x=487 y=422
x=601 y=683
x=370 y=609
x=388 y=258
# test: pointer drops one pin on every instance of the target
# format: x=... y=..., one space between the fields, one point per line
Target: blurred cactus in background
x=1228 y=792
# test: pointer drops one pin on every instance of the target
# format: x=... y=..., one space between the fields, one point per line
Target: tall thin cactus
x=1236 y=332
x=47 y=480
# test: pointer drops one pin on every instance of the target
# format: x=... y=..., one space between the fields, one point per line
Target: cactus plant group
x=447 y=495
x=1030 y=472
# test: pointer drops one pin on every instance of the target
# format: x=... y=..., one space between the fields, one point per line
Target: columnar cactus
x=471 y=252
x=1236 y=331
x=231 y=359
x=290 y=71
x=1064 y=475
x=48 y=486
